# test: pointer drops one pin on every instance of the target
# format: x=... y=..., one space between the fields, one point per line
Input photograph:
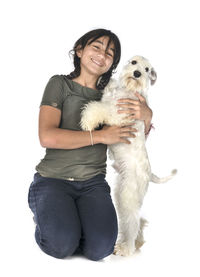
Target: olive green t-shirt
x=71 y=164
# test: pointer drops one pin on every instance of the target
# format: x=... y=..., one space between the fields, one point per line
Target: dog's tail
x=156 y=179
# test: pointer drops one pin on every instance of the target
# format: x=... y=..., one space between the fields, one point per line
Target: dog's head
x=137 y=74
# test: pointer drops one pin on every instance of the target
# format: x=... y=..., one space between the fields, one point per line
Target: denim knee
x=56 y=247
x=99 y=251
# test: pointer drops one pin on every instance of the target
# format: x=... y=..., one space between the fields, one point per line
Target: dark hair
x=93 y=35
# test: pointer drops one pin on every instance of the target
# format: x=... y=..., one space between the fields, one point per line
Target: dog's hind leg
x=126 y=246
x=140 y=239
x=127 y=208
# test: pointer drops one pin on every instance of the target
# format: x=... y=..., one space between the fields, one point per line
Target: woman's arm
x=51 y=136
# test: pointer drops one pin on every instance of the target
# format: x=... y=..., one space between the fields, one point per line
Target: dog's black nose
x=137 y=74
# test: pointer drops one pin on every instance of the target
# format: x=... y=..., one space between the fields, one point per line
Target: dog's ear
x=153 y=76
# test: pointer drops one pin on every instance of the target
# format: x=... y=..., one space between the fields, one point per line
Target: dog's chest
x=110 y=100
x=117 y=93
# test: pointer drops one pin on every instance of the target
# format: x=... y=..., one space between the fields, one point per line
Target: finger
x=127 y=105
x=132 y=117
x=129 y=111
x=128 y=100
x=127 y=135
x=141 y=98
x=128 y=129
x=126 y=125
x=125 y=141
x=134 y=130
x=131 y=108
x=131 y=122
x=136 y=115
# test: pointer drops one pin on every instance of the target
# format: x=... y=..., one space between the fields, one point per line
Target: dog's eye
x=133 y=62
x=147 y=69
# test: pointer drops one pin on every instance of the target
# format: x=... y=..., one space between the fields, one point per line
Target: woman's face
x=94 y=58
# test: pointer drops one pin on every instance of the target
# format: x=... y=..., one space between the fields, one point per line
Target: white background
x=36 y=37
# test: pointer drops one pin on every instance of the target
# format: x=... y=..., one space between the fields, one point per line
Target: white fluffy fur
x=130 y=160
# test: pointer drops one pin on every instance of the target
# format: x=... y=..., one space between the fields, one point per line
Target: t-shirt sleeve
x=53 y=92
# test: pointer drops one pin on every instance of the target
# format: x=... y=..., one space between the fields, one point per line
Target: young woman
x=69 y=196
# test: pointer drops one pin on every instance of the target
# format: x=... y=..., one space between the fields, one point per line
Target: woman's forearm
x=66 y=139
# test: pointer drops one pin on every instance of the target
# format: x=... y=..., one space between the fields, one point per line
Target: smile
x=99 y=64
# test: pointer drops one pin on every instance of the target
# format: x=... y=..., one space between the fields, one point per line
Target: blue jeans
x=73 y=216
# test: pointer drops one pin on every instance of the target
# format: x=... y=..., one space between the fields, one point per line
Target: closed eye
x=109 y=54
x=106 y=53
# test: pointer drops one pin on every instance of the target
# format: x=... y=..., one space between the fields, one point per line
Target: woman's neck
x=89 y=82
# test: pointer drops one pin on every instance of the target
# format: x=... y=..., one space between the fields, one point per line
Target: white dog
x=130 y=160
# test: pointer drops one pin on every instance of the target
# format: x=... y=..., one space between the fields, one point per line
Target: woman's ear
x=79 y=51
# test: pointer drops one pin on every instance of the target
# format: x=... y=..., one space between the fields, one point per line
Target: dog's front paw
x=89 y=119
x=123 y=249
x=87 y=125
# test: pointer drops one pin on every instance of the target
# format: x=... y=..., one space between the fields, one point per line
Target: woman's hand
x=116 y=134
x=136 y=109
